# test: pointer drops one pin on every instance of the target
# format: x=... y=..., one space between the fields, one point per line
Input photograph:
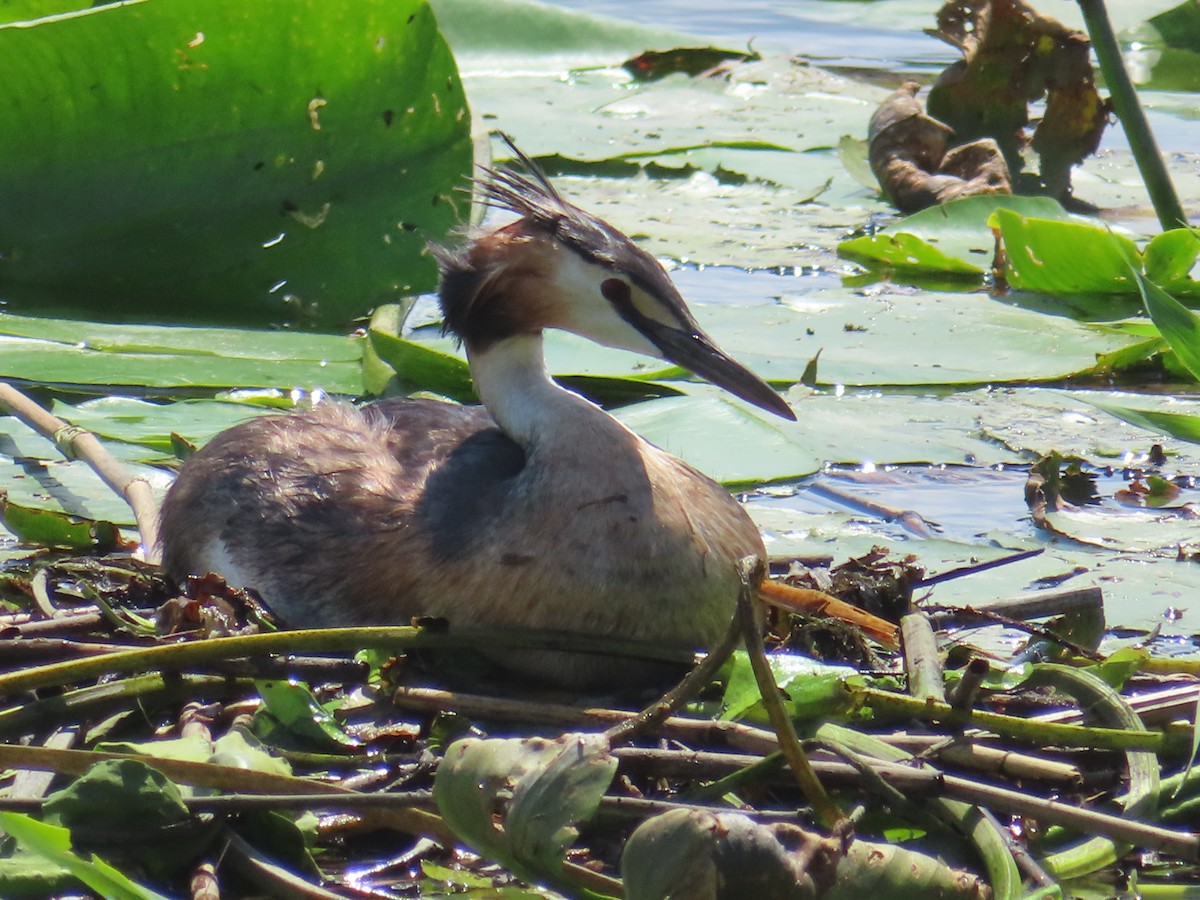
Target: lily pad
x=281 y=173
x=953 y=237
x=1056 y=257
x=153 y=425
x=64 y=351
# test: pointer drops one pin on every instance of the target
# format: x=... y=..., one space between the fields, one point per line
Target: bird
x=536 y=509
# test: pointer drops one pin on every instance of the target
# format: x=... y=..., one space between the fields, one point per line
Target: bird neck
x=511 y=379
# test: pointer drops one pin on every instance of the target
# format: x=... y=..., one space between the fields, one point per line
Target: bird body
x=536 y=510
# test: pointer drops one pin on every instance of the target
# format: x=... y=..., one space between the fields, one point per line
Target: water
x=802 y=28
x=884 y=42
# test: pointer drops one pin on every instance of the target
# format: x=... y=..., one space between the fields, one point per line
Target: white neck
x=511 y=380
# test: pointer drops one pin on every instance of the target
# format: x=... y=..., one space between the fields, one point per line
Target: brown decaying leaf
x=875 y=582
x=1012 y=56
x=915 y=165
x=692 y=61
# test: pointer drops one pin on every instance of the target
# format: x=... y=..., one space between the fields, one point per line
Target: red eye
x=615 y=290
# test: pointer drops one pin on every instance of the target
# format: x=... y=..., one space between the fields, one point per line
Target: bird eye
x=615 y=290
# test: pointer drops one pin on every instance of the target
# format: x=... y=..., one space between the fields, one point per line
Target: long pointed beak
x=695 y=350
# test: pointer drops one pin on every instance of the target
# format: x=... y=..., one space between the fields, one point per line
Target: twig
x=967 y=689
x=695 y=681
x=1046 y=634
x=32 y=784
x=1039 y=605
x=1020 y=729
x=752 y=630
x=95 y=701
x=1152 y=706
x=911 y=520
x=75 y=443
x=975 y=568
x=809 y=602
x=921 y=663
x=1088 y=821
x=177 y=656
x=225 y=778
x=691 y=730
x=1020 y=853
x=1129 y=110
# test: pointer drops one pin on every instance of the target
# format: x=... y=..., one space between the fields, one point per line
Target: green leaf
x=1056 y=257
x=191 y=749
x=415 y=366
x=952 y=238
x=293 y=706
x=54 y=844
x=1171 y=256
x=156 y=426
x=1184 y=426
x=1179 y=26
x=1120 y=665
x=454 y=884
x=126 y=795
x=89 y=353
x=237 y=748
x=555 y=785
x=26 y=876
x=812 y=689
x=906 y=252
x=48 y=528
x=1180 y=327
x=234 y=748
x=290 y=158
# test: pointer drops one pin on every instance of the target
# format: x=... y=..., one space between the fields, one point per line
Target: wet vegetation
x=206 y=217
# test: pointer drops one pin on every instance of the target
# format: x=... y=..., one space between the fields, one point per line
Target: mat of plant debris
x=180 y=746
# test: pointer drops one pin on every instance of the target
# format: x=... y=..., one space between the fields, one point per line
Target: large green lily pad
x=277 y=160
x=65 y=351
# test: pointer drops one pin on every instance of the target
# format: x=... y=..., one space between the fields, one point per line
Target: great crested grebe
x=536 y=510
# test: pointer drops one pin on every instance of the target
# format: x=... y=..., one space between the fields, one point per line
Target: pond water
x=884 y=41
x=815 y=30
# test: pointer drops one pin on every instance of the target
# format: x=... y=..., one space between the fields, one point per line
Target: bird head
x=558 y=266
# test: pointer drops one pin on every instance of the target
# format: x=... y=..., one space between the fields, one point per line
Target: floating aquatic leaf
x=1057 y=257
x=282 y=173
x=48 y=528
x=66 y=351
